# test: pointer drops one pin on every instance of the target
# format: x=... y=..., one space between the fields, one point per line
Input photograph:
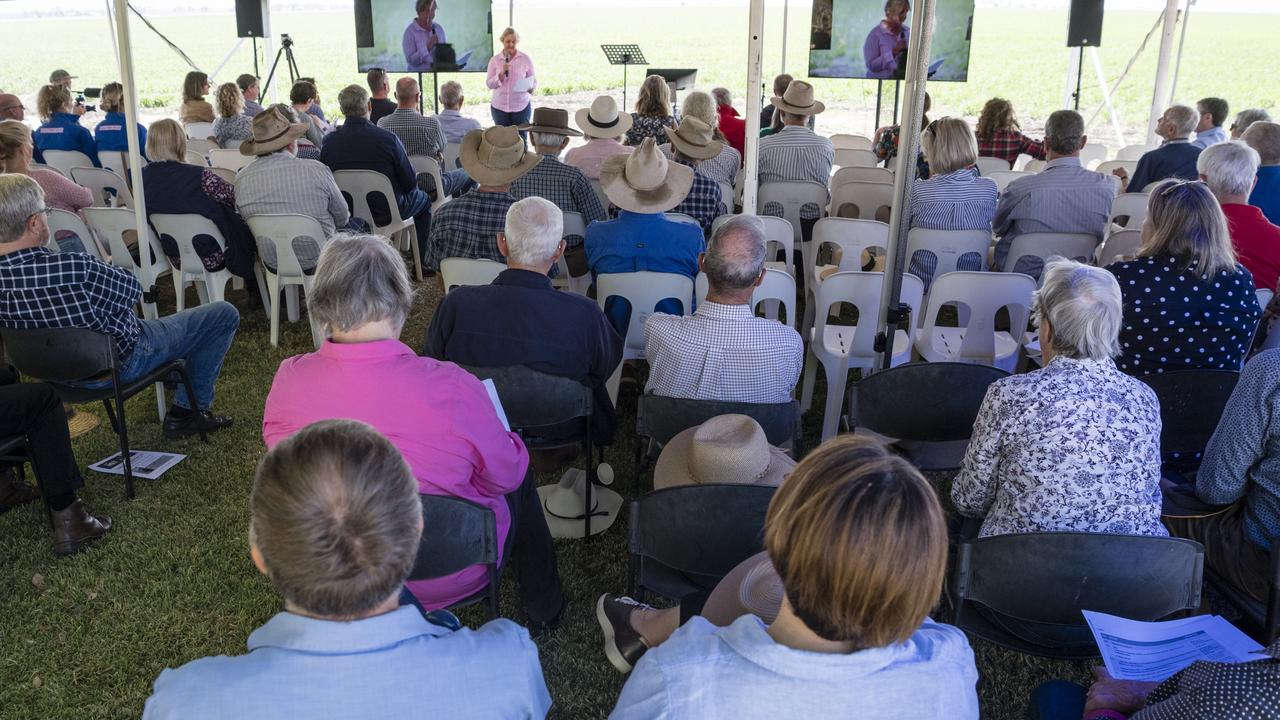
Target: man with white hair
x=1230 y=170
x=564 y=185
x=521 y=319
x=422 y=136
x=733 y=127
x=1175 y=158
x=1264 y=136
x=723 y=351
x=452 y=121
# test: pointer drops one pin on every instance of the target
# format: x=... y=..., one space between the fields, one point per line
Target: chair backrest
x=988 y=165
x=64 y=221
x=361 y=186
x=1191 y=403
x=1020 y=163
x=456 y=271
x=111 y=224
x=183 y=230
x=1004 y=178
x=662 y=418
x=726 y=198
x=575 y=226
x=1093 y=153
x=1132 y=206
x=1121 y=243
x=845 y=141
x=861 y=174
x=644 y=290
x=195 y=158
x=532 y=399
x=984 y=294
x=862 y=290
x=946 y=247
x=599 y=190
x=451 y=152
x=942 y=406
x=280 y=237
x=232 y=160
x=852 y=236
x=1051 y=577
x=59 y=354
x=682 y=218
x=776 y=285
x=117 y=161
x=1106 y=166
x=456 y=534
x=1034 y=166
x=1133 y=152
x=204 y=147
x=228 y=175
x=778 y=233
x=861 y=200
x=109 y=189
x=787 y=199
x=1074 y=246
x=64 y=160
x=428 y=165
x=849 y=157
x=199 y=130
x=700 y=529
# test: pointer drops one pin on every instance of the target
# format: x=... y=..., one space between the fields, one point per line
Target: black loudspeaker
x=249 y=18
x=364 y=23
x=1084 y=26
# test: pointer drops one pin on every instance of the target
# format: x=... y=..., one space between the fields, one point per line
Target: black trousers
x=531 y=554
x=34 y=410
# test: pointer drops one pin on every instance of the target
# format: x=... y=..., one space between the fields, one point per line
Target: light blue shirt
x=1212 y=136
x=396 y=665
x=740 y=672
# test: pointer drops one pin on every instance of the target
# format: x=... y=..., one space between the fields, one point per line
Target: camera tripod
x=286 y=50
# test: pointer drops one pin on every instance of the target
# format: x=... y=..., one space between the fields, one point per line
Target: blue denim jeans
x=417 y=204
x=200 y=335
x=519 y=117
x=1057 y=700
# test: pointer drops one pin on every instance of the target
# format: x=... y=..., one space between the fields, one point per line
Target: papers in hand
x=497 y=403
x=524 y=84
x=146 y=464
x=1155 y=651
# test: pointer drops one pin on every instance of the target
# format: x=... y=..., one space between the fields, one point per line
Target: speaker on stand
x=1084 y=30
x=249 y=24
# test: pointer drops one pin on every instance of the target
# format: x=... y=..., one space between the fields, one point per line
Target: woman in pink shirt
x=512 y=81
x=438 y=415
x=16 y=151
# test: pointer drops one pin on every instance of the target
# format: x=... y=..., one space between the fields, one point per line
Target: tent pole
x=1160 y=94
x=111 y=23
x=786 y=4
x=135 y=155
x=755 y=60
x=269 y=46
x=1182 y=44
x=908 y=148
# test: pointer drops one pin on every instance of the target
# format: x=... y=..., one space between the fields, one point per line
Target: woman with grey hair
x=1075 y=445
x=1245 y=118
x=722 y=168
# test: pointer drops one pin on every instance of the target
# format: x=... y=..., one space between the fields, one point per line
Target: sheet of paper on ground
x=147 y=464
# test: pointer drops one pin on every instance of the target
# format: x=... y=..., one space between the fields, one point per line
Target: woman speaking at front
x=512 y=80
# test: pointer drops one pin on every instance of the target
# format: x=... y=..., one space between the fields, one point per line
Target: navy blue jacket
x=110 y=134
x=64 y=132
x=361 y=145
x=1174 y=159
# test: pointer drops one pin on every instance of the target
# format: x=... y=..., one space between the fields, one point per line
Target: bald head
x=734 y=260
x=407 y=92
x=10 y=107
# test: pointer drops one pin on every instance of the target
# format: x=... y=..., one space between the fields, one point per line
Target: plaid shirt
x=468 y=227
x=564 y=185
x=1008 y=144
x=420 y=135
x=43 y=289
x=703 y=201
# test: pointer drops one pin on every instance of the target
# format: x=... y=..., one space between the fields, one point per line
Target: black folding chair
x=659 y=418
x=16 y=451
x=61 y=356
x=457 y=534
x=1265 y=617
x=1042 y=582
x=930 y=407
x=1191 y=403
x=685 y=539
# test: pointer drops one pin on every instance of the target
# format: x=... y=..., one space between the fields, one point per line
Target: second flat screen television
x=403 y=35
x=868 y=39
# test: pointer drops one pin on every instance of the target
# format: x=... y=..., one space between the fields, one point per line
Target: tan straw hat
x=563 y=503
x=496 y=155
x=694 y=138
x=272 y=131
x=602 y=119
x=725 y=449
x=761 y=591
x=551 y=120
x=798 y=100
x=645 y=181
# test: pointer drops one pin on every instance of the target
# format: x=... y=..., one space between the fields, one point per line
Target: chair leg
x=417 y=255
x=179 y=289
x=494 y=588
x=810 y=377
x=291 y=302
x=111 y=417
x=160 y=401
x=273 y=289
x=191 y=395
x=125 y=454
x=837 y=377
x=261 y=277
x=591 y=480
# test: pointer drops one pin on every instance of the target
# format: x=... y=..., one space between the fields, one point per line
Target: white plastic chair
x=855 y=158
x=788 y=199
x=232 y=160
x=359 y=185
x=210 y=285
x=988 y=165
x=199 y=130
x=64 y=160
x=428 y=165
x=64 y=221
x=776 y=288
x=111 y=224
x=1094 y=153
x=726 y=198
x=1106 y=166
x=203 y=147
x=117 y=161
x=1035 y=166
x=451 y=152
x=682 y=218
x=599 y=191
x=840 y=347
x=847 y=175
x=1132 y=206
x=194 y=158
x=109 y=189
x=947 y=247
x=275 y=236
x=982 y=295
x=1134 y=152
x=1073 y=246
x=456 y=271
x=863 y=198
x=1119 y=244
x=574 y=227
x=1021 y=162
x=852 y=237
x=1004 y=178
x=643 y=290
x=845 y=141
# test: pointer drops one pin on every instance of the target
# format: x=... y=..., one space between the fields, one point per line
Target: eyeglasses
x=43 y=211
x=19 y=106
x=1170 y=187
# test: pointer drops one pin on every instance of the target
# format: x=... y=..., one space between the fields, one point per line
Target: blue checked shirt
x=43 y=289
x=703 y=201
x=420 y=135
x=468 y=227
x=564 y=185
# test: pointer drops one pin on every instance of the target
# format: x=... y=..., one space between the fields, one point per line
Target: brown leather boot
x=14 y=492
x=74 y=527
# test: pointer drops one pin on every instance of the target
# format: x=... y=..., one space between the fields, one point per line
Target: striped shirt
x=419 y=135
x=958 y=200
x=1062 y=198
x=280 y=183
x=796 y=154
x=564 y=185
x=468 y=227
x=722 y=168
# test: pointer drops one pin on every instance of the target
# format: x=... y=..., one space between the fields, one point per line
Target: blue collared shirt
x=1266 y=194
x=64 y=132
x=1064 y=197
x=1212 y=136
x=396 y=665
x=637 y=242
x=109 y=135
x=361 y=145
x=739 y=671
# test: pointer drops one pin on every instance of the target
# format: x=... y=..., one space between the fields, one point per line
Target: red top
x=1257 y=243
x=1008 y=144
x=734 y=128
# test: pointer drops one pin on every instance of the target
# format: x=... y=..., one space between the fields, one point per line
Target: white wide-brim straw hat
x=798 y=99
x=602 y=119
x=563 y=503
x=496 y=155
x=729 y=449
x=694 y=138
x=272 y=131
x=645 y=181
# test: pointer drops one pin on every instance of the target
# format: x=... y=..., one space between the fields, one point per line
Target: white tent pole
x=786 y=4
x=755 y=61
x=1160 y=94
x=213 y=76
x=1106 y=95
x=269 y=48
x=111 y=23
x=135 y=152
x=1182 y=44
x=1073 y=69
x=511 y=13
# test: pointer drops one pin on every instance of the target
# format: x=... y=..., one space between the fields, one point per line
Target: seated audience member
x=1187 y=303
x=954 y=197
x=731 y=125
x=11 y=107
x=45 y=289
x=858 y=542
x=722 y=168
x=232 y=126
x=454 y=124
x=653 y=111
x=109 y=134
x=1037 y=461
x=1213 y=113
x=521 y=320
x=313 y=106
x=306 y=150
x=35 y=410
x=1000 y=136
x=59 y=193
x=564 y=185
x=249 y=89
x=1175 y=158
x=194 y=107
x=723 y=351
x=61 y=129
x=302 y=98
x=439 y=416
x=1063 y=197
x=692 y=143
x=64 y=78
x=468 y=226
x=768 y=116
x=380 y=105
x=643 y=185
x=885 y=141
x=421 y=136
x=361 y=145
x=1245 y=118
x=176 y=187
x=1264 y=136
x=1230 y=170
x=604 y=127
x=796 y=153
x=335 y=523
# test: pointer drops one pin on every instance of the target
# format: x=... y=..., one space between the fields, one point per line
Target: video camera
x=92 y=92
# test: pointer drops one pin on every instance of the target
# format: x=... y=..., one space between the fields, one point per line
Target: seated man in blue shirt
x=644 y=185
x=1265 y=138
x=335 y=523
x=1213 y=113
x=1175 y=158
x=361 y=145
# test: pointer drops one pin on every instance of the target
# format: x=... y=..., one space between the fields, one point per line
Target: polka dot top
x=1176 y=320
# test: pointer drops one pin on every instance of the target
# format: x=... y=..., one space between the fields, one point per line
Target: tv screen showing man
x=869 y=39
x=424 y=35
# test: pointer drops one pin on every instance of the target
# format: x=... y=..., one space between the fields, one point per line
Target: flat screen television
x=415 y=36
x=868 y=39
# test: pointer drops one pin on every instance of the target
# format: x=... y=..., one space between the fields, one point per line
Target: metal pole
x=218 y=70
x=908 y=148
x=786 y=4
x=511 y=13
x=111 y=23
x=755 y=70
x=1160 y=93
x=1182 y=43
x=135 y=155
x=1073 y=74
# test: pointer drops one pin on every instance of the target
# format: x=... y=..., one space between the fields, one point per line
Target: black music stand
x=677 y=79
x=624 y=55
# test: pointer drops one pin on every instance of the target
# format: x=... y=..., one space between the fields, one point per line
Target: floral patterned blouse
x=1073 y=447
x=643 y=126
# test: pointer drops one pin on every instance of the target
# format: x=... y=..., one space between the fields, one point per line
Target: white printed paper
x=497 y=402
x=1155 y=651
x=524 y=84
x=146 y=464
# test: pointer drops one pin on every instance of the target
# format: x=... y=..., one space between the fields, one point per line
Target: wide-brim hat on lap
x=272 y=131
x=551 y=120
x=798 y=100
x=645 y=181
x=695 y=139
x=602 y=119
x=761 y=591
x=496 y=155
x=726 y=449
x=563 y=503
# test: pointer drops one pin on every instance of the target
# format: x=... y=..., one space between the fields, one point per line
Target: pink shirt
x=505 y=97
x=589 y=157
x=60 y=193
x=436 y=413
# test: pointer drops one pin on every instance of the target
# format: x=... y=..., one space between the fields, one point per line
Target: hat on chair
x=272 y=131
x=553 y=121
x=496 y=155
x=645 y=181
x=602 y=119
x=798 y=100
x=725 y=449
x=695 y=139
x=563 y=503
